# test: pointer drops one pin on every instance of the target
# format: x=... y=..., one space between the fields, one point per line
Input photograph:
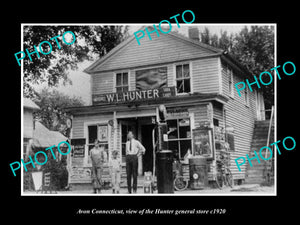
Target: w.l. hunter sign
x=131 y=96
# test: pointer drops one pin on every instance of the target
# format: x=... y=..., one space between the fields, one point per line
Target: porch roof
x=175 y=101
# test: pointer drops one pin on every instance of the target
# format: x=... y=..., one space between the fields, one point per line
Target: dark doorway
x=146 y=132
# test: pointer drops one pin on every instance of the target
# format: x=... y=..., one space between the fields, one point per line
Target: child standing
x=115 y=171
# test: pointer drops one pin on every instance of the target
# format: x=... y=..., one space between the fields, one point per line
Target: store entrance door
x=146 y=136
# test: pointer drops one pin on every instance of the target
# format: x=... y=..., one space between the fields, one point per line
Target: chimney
x=194 y=33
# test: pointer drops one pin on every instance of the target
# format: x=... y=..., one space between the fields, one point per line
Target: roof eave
x=226 y=56
x=89 y=70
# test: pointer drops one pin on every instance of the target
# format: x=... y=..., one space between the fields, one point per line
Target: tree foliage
x=91 y=41
x=52 y=113
x=253 y=48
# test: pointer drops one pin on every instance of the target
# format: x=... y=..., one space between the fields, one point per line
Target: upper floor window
x=122 y=82
x=183 y=79
x=230 y=82
x=229 y=74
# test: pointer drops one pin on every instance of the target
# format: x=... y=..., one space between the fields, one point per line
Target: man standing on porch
x=133 y=149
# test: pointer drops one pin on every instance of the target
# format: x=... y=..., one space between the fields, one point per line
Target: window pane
x=173 y=145
x=92 y=133
x=172 y=128
x=184 y=128
x=184 y=146
x=187 y=86
x=216 y=122
x=186 y=70
x=179 y=71
x=179 y=86
x=125 y=88
x=125 y=78
x=119 y=79
x=119 y=89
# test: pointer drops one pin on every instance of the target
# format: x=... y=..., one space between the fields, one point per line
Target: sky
x=81 y=81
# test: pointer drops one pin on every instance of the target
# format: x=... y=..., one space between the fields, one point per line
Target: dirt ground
x=250 y=189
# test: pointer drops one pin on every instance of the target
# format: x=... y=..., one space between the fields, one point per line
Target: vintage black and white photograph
x=148 y=109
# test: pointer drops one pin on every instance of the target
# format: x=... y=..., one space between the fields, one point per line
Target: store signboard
x=78 y=151
x=102 y=133
x=80 y=174
x=133 y=96
x=177 y=112
x=78 y=148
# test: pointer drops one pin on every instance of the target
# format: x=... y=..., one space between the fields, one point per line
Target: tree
x=91 y=41
x=205 y=36
x=226 y=41
x=52 y=113
x=253 y=48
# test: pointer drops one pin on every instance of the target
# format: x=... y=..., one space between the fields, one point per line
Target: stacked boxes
x=148 y=183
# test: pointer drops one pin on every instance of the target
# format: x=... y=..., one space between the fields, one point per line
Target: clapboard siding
x=103 y=83
x=205 y=75
x=162 y=49
x=241 y=118
x=79 y=120
x=218 y=114
x=200 y=114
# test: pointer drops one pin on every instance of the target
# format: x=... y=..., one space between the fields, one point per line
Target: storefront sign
x=102 y=133
x=80 y=174
x=177 y=112
x=131 y=96
x=219 y=133
x=78 y=151
x=203 y=143
x=78 y=147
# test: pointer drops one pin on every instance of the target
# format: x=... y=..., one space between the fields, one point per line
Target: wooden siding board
x=242 y=118
x=200 y=114
x=160 y=49
x=79 y=120
x=205 y=75
x=102 y=82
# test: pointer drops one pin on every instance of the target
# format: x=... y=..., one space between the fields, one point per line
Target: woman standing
x=97 y=158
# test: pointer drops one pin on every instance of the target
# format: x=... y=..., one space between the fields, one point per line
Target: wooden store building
x=193 y=80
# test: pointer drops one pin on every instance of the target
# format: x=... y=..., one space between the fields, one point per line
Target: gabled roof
x=212 y=51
